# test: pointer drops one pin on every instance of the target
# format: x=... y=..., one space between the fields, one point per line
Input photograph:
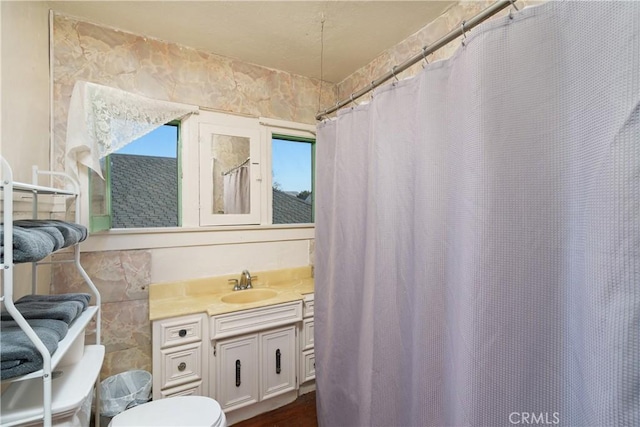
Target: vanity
x=251 y=350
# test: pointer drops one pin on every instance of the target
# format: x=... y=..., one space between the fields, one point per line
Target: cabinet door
x=307 y=366
x=230 y=175
x=278 y=348
x=237 y=373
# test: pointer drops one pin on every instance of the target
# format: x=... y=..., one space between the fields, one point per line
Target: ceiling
x=284 y=35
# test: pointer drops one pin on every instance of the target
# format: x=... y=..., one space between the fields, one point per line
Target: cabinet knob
x=182 y=333
x=182 y=366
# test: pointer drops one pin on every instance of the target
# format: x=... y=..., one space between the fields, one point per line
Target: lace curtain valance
x=103 y=119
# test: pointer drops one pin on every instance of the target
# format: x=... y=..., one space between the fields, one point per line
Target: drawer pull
x=182 y=366
x=182 y=333
x=278 y=354
x=238 y=381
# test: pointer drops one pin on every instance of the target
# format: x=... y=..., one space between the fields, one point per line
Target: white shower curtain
x=478 y=233
x=236 y=191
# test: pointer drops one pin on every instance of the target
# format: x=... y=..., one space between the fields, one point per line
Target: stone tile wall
x=171 y=72
x=123 y=279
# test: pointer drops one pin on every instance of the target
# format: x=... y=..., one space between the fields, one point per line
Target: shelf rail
x=10 y=187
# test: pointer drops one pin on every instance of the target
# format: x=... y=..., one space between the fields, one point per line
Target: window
x=141 y=187
x=292 y=179
x=209 y=170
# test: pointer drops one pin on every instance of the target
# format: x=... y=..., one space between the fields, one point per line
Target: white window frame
x=192 y=233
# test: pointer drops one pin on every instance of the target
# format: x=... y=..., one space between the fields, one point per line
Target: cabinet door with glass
x=230 y=175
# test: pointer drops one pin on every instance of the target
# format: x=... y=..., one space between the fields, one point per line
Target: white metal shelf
x=30 y=188
x=22 y=402
x=75 y=329
x=39 y=395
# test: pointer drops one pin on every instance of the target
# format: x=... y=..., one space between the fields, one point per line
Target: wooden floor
x=301 y=413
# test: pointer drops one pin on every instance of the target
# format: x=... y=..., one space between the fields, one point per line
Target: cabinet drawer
x=180 y=365
x=307 y=366
x=190 y=389
x=242 y=322
x=180 y=331
x=307 y=334
x=308 y=304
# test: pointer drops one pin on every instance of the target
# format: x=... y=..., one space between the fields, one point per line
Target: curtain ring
x=393 y=72
x=424 y=56
x=352 y=101
x=464 y=32
x=513 y=6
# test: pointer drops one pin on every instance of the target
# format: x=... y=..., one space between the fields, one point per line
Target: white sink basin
x=248 y=295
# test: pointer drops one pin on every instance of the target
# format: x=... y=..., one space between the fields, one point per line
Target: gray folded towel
x=67 y=311
x=79 y=297
x=71 y=232
x=54 y=234
x=18 y=355
x=28 y=245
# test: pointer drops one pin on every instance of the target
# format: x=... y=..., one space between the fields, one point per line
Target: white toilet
x=187 y=411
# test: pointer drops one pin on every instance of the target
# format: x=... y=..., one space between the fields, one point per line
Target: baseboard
x=251 y=411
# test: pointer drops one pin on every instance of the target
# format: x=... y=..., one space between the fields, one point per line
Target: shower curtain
x=236 y=191
x=478 y=233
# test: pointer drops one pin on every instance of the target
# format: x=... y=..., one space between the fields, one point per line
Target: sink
x=248 y=295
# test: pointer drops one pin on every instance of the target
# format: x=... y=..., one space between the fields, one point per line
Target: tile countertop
x=204 y=295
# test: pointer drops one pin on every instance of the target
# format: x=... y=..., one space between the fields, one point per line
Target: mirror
x=230 y=167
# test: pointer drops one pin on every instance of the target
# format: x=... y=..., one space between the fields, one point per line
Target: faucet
x=245 y=280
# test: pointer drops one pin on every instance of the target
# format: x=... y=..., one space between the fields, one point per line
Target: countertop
x=205 y=295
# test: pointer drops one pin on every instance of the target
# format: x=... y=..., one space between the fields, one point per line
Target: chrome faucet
x=245 y=280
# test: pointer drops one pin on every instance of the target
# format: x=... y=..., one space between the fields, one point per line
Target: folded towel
x=18 y=355
x=54 y=234
x=71 y=232
x=67 y=311
x=79 y=297
x=28 y=245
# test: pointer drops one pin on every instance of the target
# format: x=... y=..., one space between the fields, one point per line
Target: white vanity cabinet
x=254 y=358
x=180 y=365
x=307 y=351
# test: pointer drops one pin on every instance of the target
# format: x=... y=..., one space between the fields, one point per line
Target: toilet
x=187 y=411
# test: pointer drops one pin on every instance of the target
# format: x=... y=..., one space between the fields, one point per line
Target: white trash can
x=123 y=391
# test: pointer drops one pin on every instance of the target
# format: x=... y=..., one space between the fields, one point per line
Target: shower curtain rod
x=236 y=167
x=426 y=50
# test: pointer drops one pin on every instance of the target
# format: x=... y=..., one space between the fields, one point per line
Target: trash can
x=123 y=391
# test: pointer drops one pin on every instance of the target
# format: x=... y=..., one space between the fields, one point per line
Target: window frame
x=290 y=130
x=190 y=233
x=302 y=140
x=104 y=222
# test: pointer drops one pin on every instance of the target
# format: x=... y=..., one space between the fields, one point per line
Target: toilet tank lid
x=180 y=410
